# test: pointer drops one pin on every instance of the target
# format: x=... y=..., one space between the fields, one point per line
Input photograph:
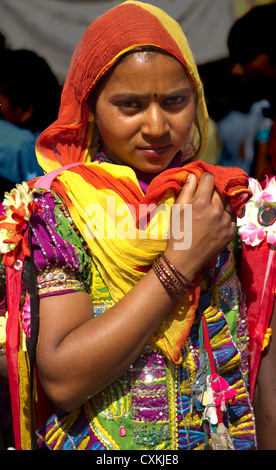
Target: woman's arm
x=79 y=355
x=3 y=366
x=265 y=394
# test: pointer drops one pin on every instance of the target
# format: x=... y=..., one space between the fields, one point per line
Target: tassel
x=267 y=336
x=221 y=439
x=222 y=390
x=210 y=413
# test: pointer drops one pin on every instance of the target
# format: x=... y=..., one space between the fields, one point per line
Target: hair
x=253 y=34
x=26 y=79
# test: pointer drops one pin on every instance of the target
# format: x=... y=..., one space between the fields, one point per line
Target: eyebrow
x=137 y=96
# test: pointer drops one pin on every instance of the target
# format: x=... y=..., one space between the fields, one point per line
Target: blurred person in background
x=252 y=51
x=239 y=122
x=29 y=101
x=253 y=54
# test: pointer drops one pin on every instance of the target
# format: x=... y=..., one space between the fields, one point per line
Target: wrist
x=188 y=267
x=174 y=281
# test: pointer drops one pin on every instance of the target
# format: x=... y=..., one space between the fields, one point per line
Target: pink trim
x=46 y=180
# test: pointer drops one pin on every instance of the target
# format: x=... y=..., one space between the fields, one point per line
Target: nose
x=238 y=69
x=155 y=122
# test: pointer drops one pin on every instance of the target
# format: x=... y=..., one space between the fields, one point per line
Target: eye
x=129 y=105
x=177 y=100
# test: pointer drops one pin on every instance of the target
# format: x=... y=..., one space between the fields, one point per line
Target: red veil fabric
x=258 y=279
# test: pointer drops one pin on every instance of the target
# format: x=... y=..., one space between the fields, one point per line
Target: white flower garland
x=259 y=222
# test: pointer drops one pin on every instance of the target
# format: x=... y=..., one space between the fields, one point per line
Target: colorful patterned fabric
x=157 y=404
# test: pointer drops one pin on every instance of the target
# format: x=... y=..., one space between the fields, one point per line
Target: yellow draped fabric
x=121 y=250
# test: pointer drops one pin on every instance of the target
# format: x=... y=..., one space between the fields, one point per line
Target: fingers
x=204 y=192
x=228 y=209
x=187 y=192
x=206 y=187
x=225 y=205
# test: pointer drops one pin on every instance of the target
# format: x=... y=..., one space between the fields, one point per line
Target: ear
x=26 y=115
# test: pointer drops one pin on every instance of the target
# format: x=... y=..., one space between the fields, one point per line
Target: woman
x=134 y=340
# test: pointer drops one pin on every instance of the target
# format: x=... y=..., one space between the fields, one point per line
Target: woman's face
x=145 y=111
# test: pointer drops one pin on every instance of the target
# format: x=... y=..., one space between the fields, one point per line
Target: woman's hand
x=212 y=226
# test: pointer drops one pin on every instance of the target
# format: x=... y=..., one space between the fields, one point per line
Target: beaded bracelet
x=176 y=271
x=168 y=280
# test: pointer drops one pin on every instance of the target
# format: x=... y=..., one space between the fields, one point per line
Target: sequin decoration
x=150 y=405
x=58 y=279
x=113 y=403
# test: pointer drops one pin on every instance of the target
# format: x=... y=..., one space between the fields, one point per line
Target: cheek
x=184 y=124
x=106 y=133
x=117 y=128
x=105 y=121
x=115 y=135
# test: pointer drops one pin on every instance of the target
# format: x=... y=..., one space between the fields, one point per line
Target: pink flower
x=26 y=317
x=271 y=238
x=268 y=197
x=261 y=234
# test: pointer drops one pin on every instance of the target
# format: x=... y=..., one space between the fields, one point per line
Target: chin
x=156 y=166
x=152 y=169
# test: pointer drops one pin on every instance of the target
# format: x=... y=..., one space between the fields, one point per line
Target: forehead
x=147 y=70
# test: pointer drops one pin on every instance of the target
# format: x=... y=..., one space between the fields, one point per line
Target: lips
x=155 y=150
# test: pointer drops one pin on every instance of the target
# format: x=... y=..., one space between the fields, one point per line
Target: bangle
x=172 y=285
x=176 y=271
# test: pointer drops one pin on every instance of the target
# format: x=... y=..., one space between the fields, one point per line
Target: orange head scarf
x=121 y=29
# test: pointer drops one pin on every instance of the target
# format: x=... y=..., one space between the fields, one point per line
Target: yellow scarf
x=126 y=230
